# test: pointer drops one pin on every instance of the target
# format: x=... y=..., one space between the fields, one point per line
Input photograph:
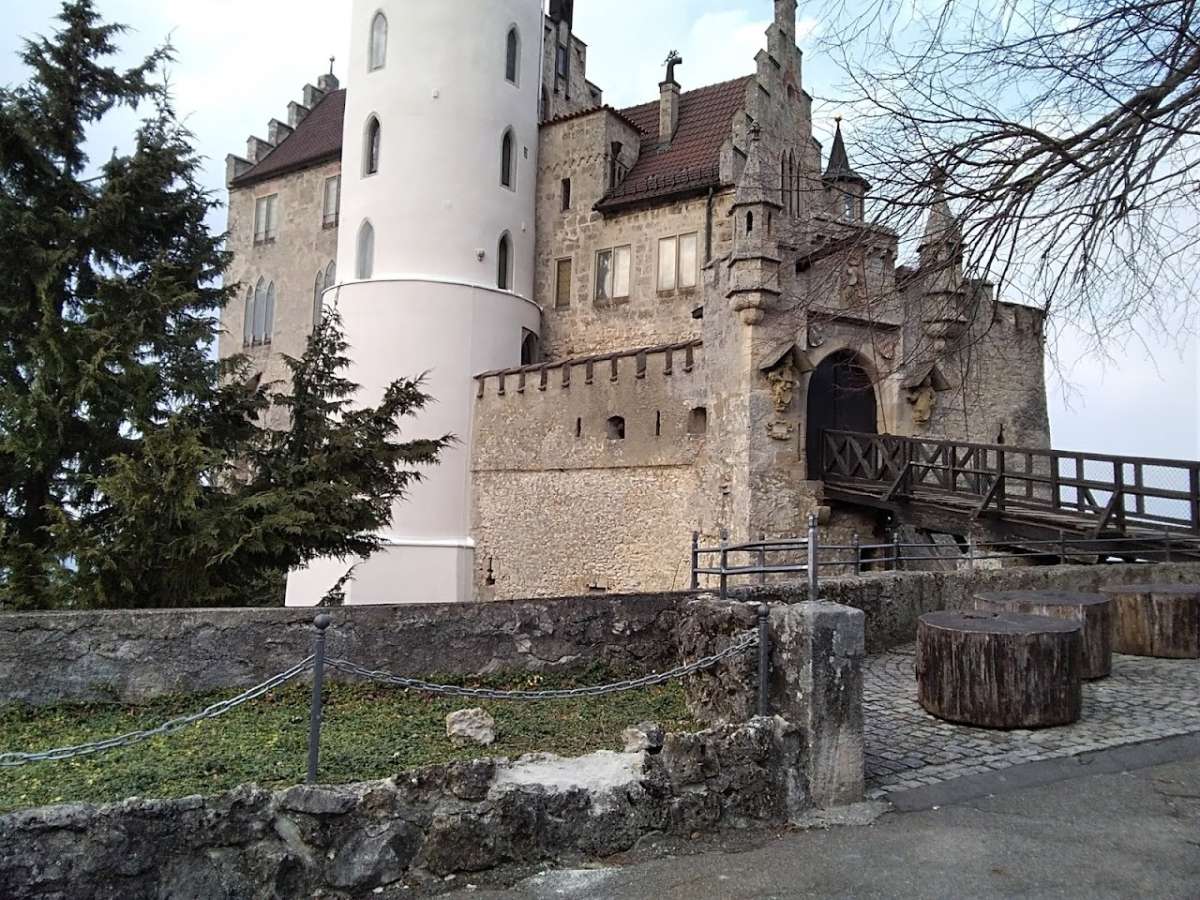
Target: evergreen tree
x=134 y=469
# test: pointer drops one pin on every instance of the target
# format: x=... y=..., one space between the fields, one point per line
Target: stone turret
x=754 y=275
x=940 y=252
x=844 y=187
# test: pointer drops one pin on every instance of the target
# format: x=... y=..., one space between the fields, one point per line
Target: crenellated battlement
x=633 y=408
x=679 y=356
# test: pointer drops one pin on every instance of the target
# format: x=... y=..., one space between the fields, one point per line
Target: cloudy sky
x=241 y=61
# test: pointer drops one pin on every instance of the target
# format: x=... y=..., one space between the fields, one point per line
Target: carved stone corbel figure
x=783 y=385
x=782 y=368
x=923 y=400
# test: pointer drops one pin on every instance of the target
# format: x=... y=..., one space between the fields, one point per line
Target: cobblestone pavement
x=1143 y=699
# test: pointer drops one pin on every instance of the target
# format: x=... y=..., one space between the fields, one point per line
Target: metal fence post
x=1062 y=547
x=970 y=553
x=856 y=546
x=1167 y=543
x=695 y=560
x=896 y=549
x=322 y=623
x=813 y=587
x=762 y=557
x=764 y=659
x=724 y=562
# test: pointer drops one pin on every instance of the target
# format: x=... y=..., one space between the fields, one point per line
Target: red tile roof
x=317 y=139
x=692 y=161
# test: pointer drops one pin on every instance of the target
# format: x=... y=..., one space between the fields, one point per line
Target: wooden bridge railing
x=1120 y=492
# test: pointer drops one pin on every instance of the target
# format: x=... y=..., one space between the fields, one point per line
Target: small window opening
x=698 y=420
x=373 y=146
x=512 y=55
x=530 y=348
x=579 y=428
x=506 y=160
x=658 y=424
x=504 y=263
x=566 y=194
x=616 y=428
x=749 y=222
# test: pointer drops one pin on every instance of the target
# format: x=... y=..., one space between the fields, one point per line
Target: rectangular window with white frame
x=612 y=273
x=678 y=263
x=266 y=219
x=333 y=201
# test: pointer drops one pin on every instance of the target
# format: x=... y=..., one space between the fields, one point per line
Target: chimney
x=563 y=11
x=668 y=107
x=278 y=132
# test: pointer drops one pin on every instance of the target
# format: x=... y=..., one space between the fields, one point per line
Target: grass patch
x=370 y=732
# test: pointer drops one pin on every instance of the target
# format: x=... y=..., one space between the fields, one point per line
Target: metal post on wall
x=762 y=557
x=1062 y=547
x=322 y=623
x=896 y=549
x=856 y=546
x=764 y=659
x=813 y=587
x=695 y=560
x=724 y=562
x=1167 y=542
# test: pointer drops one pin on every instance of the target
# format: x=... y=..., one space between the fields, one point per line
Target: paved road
x=1120 y=823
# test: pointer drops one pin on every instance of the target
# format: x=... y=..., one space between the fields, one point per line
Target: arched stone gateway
x=840 y=397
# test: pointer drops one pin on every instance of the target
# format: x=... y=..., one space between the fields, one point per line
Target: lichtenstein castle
x=638 y=322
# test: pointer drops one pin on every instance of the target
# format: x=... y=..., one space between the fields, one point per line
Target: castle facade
x=638 y=322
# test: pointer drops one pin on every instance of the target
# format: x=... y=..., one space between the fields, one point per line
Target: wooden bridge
x=1006 y=493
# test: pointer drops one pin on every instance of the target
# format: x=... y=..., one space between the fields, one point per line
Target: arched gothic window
x=379 y=36
x=794 y=202
x=365 y=251
x=507 y=162
x=749 y=222
x=318 y=290
x=785 y=194
x=248 y=323
x=269 y=316
x=371 y=146
x=504 y=263
x=512 y=56
x=260 y=311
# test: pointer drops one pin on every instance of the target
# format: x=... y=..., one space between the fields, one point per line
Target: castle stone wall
x=579 y=149
x=561 y=505
x=303 y=248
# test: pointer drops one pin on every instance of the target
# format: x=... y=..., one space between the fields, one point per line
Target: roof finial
x=332 y=60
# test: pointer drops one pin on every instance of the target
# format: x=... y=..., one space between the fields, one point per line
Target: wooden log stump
x=1000 y=670
x=1092 y=611
x=1160 y=620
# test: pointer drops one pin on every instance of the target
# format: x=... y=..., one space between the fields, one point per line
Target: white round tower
x=435 y=251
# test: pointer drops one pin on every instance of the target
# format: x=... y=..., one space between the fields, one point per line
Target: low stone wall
x=893 y=601
x=422 y=825
x=135 y=655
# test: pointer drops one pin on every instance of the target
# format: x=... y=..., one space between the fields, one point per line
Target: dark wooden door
x=840 y=397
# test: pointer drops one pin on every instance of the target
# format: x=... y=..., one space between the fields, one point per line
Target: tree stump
x=1092 y=611
x=1156 y=619
x=999 y=670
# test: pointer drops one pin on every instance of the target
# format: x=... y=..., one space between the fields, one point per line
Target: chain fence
x=12 y=760
x=741 y=645
x=317 y=663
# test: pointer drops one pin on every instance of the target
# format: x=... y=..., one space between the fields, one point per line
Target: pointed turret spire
x=753 y=187
x=839 y=162
x=941 y=228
